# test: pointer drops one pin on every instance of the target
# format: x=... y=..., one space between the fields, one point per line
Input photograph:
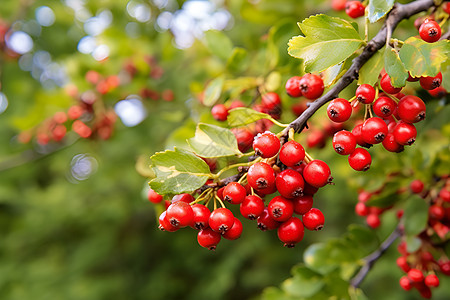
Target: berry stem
x=247 y=164
x=308 y=158
x=220 y=201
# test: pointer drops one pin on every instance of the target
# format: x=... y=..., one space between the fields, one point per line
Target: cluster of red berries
x=354 y=9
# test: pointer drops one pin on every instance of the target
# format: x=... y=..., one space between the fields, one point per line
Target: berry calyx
x=201 y=216
x=313 y=219
x=339 y=110
x=374 y=130
x=430 y=31
x=235 y=231
x=208 y=238
x=357 y=133
x=289 y=183
x=221 y=220
x=293 y=87
x=234 y=193
x=180 y=214
x=266 y=144
x=365 y=93
x=405 y=133
x=317 y=173
x=164 y=223
x=311 y=86
x=266 y=222
x=252 y=207
x=344 y=142
x=261 y=176
x=291 y=232
x=411 y=109
x=360 y=159
x=280 y=209
x=292 y=153
x=384 y=107
x=431 y=83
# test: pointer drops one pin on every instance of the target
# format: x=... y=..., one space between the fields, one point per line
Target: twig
x=370 y=260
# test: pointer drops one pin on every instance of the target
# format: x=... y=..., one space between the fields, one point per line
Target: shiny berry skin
x=311 y=86
x=344 y=142
x=415 y=275
x=338 y=5
x=386 y=85
x=292 y=153
x=154 y=197
x=357 y=133
x=266 y=222
x=360 y=159
x=339 y=110
x=313 y=219
x=234 y=193
x=361 y=209
x=309 y=189
x=444 y=194
x=236 y=103
x=374 y=130
x=221 y=220
x=235 y=231
x=405 y=133
x=266 y=144
x=402 y=263
x=188 y=198
x=293 y=87
x=201 y=216
x=280 y=209
x=446 y=7
x=391 y=145
x=164 y=223
x=411 y=109
x=405 y=283
x=438 y=92
x=317 y=173
x=271 y=102
x=219 y=112
x=290 y=183
x=252 y=207
x=354 y=9
x=431 y=83
x=365 y=93
x=302 y=204
x=291 y=232
x=261 y=176
x=431 y=280
x=244 y=138
x=384 y=107
x=207 y=238
x=180 y=214
x=430 y=31
x=316 y=139
x=436 y=212
x=373 y=220
x=444 y=266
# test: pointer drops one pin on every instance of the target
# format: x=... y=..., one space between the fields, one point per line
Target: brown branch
x=398 y=13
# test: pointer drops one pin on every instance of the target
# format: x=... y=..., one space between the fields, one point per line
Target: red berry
x=384 y=107
x=221 y=220
x=373 y=220
x=436 y=212
x=302 y=204
x=374 y=130
x=338 y=5
x=386 y=85
x=430 y=31
x=75 y=112
x=364 y=196
x=438 y=92
x=311 y=86
x=234 y=193
x=365 y=93
x=261 y=176
x=344 y=142
x=236 y=104
x=446 y=7
x=416 y=186
x=220 y=112
x=293 y=87
x=431 y=280
x=180 y=214
x=291 y=232
x=292 y=154
x=405 y=133
x=313 y=219
x=415 y=275
x=316 y=138
x=59 y=132
x=431 y=83
x=81 y=129
x=357 y=133
x=402 y=263
x=290 y=183
x=280 y=208
x=361 y=209
x=391 y=145
x=244 y=138
x=405 y=283
x=272 y=103
x=252 y=207
x=299 y=108
x=444 y=266
x=444 y=194
x=154 y=197
x=235 y=231
x=164 y=223
x=339 y=110
x=266 y=144
x=266 y=222
x=207 y=238
x=317 y=173
x=354 y=9
x=360 y=159
x=411 y=109
x=201 y=216
x=188 y=198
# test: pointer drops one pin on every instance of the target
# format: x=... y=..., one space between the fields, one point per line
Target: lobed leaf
x=394 y=67
x=304 y=283
x=241 y=116
x=377 y=9
x=213 y=91
x=415 y=216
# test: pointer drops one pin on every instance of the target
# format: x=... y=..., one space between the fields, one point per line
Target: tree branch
x=398 y=13
x=370 y=260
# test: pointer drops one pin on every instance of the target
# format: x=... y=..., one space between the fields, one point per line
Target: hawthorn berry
x=444 y=266
x=415 y=275
x=338 y=5
x=180 y=214
x=373 y=220
x=316 y=139
x=411 y=109
x=234 y=193
x=266 y=144
x=201 y=216
x=431 y=83
x=219 y=112
x=430 y=31
x=235 y=231
x=313 y=219
x=431 y=280
x=244 y=138
x=261 y=176
x=154 y=197
x=271 y=102
x=59 y=132
x=208 y=238
x=293 y=87
x=357 y=133
x=317 y=173
x=365 y=93
x=292 y=153
x=405 y=283
x=289 y=183
x=266 y=222
x=164 y=223
x=444 y=194
x=361 y=209
x=280 y=209
x=236 y=103
x=405 y=133
x=354 y=9
x=302 y=204
x=81 y=129
x=344 y=142
x=339 y=110
x=311 y=86
x=374 y=130
x=221 y=220
x=75 y=112
x=438 y=92
x=252 y=207
x=391 y=145
x=291 y=232
x=384 y=107
x=184 y=197
x=436 y=212
x=386 y=85
x=402 y=263
x=360 y=159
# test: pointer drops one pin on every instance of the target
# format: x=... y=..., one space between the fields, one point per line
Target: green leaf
x=213 y=91
x=423 y=59
x=372 y=68
x=241 y=116
x=219 y=44
x=394 y=67
x=363 y=239
x=304 y=283
x=317 y=258
x=413 y=243
x=328 y=41
x=178 y=171
x=273 y=81
x=415 y=216
x=274 y=293
x=213 y=141
x=377 y=9
x=238 y=60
